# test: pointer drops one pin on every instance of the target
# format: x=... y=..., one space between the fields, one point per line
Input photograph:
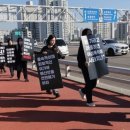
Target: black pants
x=89 y=84
x=22 y=66
x=2 y=68
x=11 y=68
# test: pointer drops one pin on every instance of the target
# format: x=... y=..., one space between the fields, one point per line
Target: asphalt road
x=119 y=61
x=111 y=79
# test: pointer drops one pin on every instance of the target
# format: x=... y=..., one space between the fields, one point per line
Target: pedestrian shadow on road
x=116 y=99
x=65 y=116
x=32 y=100
x=3 y=80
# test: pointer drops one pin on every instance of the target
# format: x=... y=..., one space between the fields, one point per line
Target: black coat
x=53 y=49
x=19 y=59
x=81 y=56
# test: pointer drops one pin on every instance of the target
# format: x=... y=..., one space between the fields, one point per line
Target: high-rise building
x=30 y=2
x=33 y=27
x=123 y=30
x=105 y=30
x=59 y=29
x=42 y=30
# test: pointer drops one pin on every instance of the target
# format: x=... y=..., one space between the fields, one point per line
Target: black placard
x=49 y=71
x=10 y=54
x=2 y=54
x=28 y=49
x=95 y=56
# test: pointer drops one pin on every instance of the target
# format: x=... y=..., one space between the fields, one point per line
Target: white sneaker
x=82 y=94
x=91 y=104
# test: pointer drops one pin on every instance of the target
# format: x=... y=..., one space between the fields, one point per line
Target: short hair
x=50 y=38
x=20 y=38
x=86 y=31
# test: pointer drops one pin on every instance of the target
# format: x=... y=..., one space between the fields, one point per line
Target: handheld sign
x=28 y=49
x=2 y=54
x=49 y=71
x=94 y=56
x=10 y=54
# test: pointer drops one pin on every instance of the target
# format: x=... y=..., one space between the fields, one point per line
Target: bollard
x=67 y=70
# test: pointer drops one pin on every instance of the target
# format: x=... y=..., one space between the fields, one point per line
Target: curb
x=101 y=85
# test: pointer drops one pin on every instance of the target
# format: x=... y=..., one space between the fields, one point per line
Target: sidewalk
x=23 y=106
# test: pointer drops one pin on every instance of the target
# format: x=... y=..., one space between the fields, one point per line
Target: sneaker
x=82 y=94
x=57 y=95
x=92 y=104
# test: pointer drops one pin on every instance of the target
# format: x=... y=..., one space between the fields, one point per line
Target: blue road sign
x=90 y=15
x=109 y=15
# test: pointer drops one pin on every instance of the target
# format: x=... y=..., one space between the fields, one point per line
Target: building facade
x=105 y=30
x=59 y=29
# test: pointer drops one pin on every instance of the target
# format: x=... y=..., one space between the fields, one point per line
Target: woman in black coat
x=21 y=64
x=11 y=66
x=51 y=47
x=2 y=65
x=86 y=92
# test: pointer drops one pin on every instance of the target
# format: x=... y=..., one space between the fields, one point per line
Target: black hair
x=86 y=31
x=1 y=42
x=50 y=38
x=19 y=39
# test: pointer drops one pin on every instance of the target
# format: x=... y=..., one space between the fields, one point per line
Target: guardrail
x=112 y=69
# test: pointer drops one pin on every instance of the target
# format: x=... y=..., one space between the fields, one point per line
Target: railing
x=112 y=69
x=107 y=86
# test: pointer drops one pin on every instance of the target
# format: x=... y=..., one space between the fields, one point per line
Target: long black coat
x=81 y=56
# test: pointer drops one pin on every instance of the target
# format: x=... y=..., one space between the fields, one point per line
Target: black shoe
x=26 y=80
x=57 y=95
x=48 y=92
x=12 y=76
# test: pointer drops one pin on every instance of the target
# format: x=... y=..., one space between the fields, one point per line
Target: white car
x=62 y=45
x=112 y=47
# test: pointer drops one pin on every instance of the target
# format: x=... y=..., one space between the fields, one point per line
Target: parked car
x=112 y=47
x=62 y=45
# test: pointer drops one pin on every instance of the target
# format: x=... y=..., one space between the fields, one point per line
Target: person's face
x=10 y=42
x=52 y=41
x=20 y=42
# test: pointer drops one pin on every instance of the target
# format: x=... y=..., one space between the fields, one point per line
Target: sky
x=118 y=4
x=115 y=4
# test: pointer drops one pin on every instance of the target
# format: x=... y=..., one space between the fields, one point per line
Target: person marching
x=86 y=92
x=2 y=65
x=21 y=64
x=51 y=47
x=11 y=66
